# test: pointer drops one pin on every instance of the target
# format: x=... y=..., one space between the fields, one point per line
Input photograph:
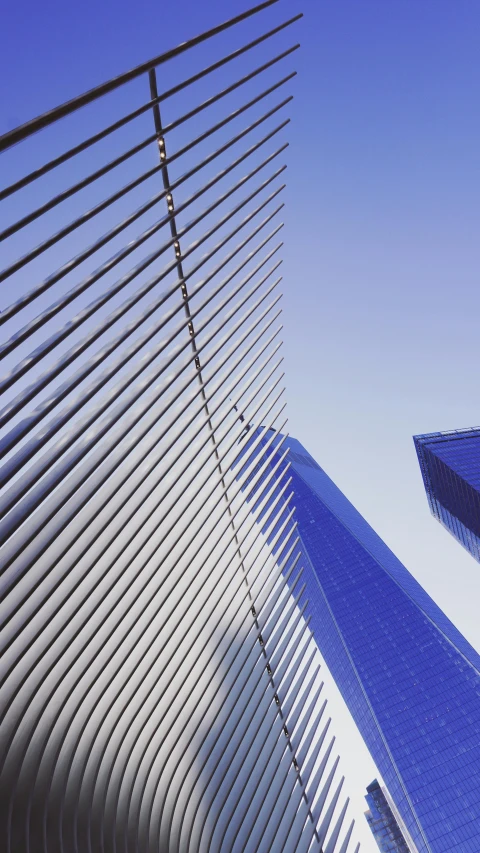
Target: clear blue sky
x=382 y=246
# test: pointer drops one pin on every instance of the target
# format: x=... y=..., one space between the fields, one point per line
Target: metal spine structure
x=159 y=684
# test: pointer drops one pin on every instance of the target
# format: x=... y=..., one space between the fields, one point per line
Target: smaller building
x=384 y=824
x=450 y=466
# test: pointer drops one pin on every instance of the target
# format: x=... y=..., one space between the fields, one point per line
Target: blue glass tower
x=450 y=466
x=409 y=678
x=382 y=822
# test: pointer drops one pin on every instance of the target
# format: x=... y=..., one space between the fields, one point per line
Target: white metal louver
x=160 y=688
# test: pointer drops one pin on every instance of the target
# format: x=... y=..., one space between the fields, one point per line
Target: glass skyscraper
x=383 y=823
x=450 y=466
x=409 y=678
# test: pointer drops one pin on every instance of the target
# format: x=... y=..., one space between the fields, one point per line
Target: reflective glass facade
x=409 y=678
x=450 y=466
x=382 y=822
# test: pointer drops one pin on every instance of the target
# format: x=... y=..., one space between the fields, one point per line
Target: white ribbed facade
x=160 y=688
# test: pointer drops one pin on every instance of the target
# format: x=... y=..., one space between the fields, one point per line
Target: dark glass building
x=450 y=466
x=408 y=676
x=383 y=823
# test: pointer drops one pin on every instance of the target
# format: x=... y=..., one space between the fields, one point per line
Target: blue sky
x=381 y=242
